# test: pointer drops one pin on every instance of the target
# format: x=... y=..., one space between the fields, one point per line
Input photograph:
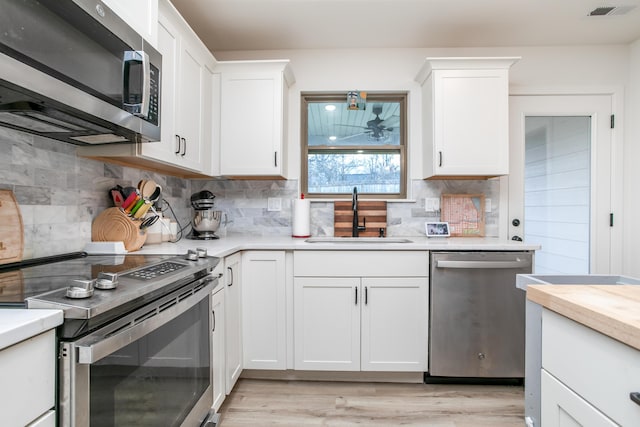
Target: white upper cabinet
x=465 y=117
x=141 y=15
x=186 y=106
x=253 y=111
x=187 y=96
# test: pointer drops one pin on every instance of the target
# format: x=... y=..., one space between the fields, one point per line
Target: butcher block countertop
x=612 y=310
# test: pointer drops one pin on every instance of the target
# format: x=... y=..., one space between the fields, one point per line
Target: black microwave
x=73 y=70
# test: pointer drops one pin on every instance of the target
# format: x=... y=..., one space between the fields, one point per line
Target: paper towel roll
x=301 y=218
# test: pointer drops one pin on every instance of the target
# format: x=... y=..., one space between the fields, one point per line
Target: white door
x=559 y=187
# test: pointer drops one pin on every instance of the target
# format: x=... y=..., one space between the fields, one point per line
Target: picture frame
x=437 y=229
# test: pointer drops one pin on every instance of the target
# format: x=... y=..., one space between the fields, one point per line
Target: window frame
x=372 y=97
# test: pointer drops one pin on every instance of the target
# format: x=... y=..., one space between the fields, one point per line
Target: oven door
x=149 y=368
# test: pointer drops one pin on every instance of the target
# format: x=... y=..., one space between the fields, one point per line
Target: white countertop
x=228 y=245
x=20 y=324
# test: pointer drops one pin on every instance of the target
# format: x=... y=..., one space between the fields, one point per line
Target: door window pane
x=557 y=192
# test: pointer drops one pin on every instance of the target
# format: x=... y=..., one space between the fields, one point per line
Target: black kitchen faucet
x=356 y=228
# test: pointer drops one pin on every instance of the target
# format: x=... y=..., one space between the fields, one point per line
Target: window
x=344 y=148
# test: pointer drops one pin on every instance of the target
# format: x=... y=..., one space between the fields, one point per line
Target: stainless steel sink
x=369 y=240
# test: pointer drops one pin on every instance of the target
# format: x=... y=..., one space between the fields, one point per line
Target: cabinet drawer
x=601 y=370
x=562 y=407
x=27 y=370
x=361 y=263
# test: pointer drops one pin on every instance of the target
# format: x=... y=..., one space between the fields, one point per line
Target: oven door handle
x=141 y=322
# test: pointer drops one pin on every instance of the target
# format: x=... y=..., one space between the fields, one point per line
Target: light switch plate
x=274 y=204
x=487 y=205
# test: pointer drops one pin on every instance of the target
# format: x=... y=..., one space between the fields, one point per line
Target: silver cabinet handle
x=178 y=144
x=439 y=158
x=230 y=276
x=213 y=312
x=482 y=264
x=356 y=288
x=184 y=147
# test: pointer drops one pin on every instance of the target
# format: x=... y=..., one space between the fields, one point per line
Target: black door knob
x=515 y=222
x=517 y=238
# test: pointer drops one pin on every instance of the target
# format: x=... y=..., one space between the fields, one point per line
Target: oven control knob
x=191 y=255
x=80 y=288
x=202 y=252
x=107 y=280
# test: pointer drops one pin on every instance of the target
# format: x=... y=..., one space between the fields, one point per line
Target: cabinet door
x=218 y=353
x=561 y=407
x=327 y=323
x=233 y=316
x=167 y=149
x=190 y=93
x=264 y=310
x=187 y=96
x=395 y=324
x=251 y=123
x=470 y=125
x=141 y=15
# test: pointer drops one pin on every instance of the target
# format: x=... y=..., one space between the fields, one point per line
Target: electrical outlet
x=431 y=204
x=274 y=204
x=487 y=205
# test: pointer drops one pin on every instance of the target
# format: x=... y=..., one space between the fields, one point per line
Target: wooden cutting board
x=11 y=228
x=375 y=213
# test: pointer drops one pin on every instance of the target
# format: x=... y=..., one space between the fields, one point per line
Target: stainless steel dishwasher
x=477 y=316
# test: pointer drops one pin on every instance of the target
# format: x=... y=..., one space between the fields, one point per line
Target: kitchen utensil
x=142 y=210
x=11 y=228
x=148 y=222
x=130 y=199
x=126 y=191
x=132 y=204
x=113 y=225
x=137 y=206
x=148 y=188
x=155 y=195
x=117 y=197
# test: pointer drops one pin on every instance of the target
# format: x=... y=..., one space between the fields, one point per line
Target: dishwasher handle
x=517 y=263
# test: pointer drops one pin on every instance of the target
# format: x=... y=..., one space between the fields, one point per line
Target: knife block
x=113 y=225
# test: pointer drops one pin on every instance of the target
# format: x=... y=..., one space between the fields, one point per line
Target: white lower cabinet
x=346 y=321
x=587 y=377
x=562 y=407
x=264 y=308
x=218 y=340
x=28 y=372
x=232 y=281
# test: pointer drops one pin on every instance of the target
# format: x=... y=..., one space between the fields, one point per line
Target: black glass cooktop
x=20 y=281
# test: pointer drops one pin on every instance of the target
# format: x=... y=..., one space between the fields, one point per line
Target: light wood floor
x=311 y=403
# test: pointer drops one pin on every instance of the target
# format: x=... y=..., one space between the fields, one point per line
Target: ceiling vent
x=611 y=10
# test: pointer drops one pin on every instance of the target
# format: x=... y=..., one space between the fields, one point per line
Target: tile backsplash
x=246 y=204
x=60 y=194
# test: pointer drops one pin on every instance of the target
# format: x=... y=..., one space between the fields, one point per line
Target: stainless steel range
x=135 y=346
